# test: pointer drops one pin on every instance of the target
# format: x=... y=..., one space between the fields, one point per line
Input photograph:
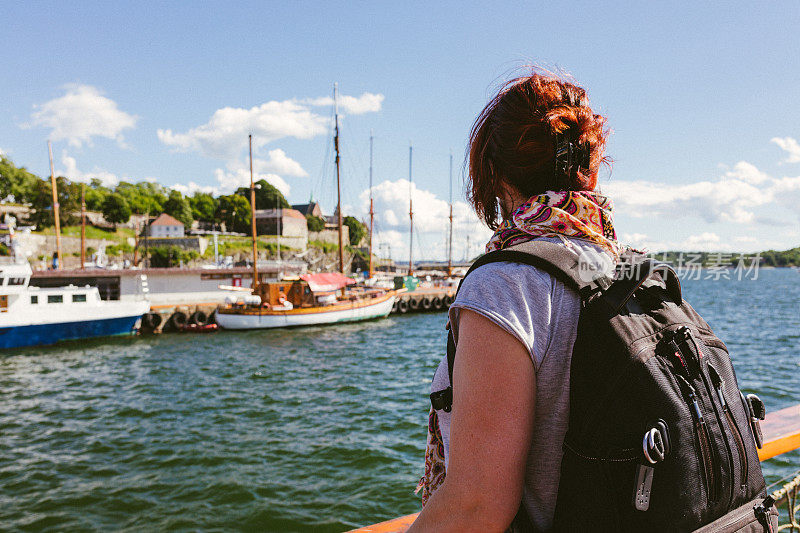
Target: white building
x=166 y=226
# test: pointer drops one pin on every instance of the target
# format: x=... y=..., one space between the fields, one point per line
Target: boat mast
x=55 y=205
x=410 y=215
x=450 y=239
x=338 y=179
x=83 y=226
x=253 y=215
x=371 y=210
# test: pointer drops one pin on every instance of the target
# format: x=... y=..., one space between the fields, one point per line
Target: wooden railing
x=781 y=434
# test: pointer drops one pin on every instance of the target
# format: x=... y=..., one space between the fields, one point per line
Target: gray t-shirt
x=543 y=314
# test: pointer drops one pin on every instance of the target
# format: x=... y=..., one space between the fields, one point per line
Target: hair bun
x=538 y=133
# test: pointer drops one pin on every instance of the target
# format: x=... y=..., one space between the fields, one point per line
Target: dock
x=424 y=300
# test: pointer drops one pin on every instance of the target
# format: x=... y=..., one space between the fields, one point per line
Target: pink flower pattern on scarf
x=583 y=215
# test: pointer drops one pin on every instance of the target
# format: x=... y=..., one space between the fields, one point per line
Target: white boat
x=31 y=316
x=311 y=299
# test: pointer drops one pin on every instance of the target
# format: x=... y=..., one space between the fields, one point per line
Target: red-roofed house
x=166 y=225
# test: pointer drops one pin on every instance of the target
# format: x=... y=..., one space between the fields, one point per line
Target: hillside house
x=166 y=226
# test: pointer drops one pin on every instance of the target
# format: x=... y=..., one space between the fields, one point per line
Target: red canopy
x=327 y=282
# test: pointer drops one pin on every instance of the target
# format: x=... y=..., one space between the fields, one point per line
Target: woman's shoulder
x=509 y=281
x=524 y=300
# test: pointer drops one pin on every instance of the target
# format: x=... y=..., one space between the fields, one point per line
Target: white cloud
x=72 y=173
x=237 y=174
x=790 y=146
x=366 y=103
x=279 y=163
x=705 y=241
x=190 y=188
x=747 y=173
x=224 y=136
x=731 y=198
x=431 y=222
x=82 y=114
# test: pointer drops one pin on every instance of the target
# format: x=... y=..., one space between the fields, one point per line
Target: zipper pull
x=763 y=515
x=691 y=395
x=675 y=352
x=694 y=356
x=718 y=383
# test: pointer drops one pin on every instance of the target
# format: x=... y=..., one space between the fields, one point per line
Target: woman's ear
x=510 y=198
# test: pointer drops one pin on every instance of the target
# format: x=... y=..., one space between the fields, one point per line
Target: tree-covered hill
x=117 y=203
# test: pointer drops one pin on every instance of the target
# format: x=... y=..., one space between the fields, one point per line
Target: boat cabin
x=17 y=294
x=309 y=290
x=277 y=293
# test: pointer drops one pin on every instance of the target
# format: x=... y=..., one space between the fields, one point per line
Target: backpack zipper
x=701 y=432
x=719 y=383
x=695 y=359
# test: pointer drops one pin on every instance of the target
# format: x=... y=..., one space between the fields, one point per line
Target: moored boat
x=32 y=316
x=309 y=300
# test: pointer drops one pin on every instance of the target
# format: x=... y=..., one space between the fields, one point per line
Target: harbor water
x=314 y=429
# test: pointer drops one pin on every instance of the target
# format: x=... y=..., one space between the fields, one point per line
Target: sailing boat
x=310 y=299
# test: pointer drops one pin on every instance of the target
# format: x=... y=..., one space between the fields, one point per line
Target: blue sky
x=702 y=100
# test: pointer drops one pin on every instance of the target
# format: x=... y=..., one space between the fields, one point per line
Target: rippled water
x=308 y=429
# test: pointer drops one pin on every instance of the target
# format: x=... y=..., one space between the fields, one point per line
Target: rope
x=787 y=495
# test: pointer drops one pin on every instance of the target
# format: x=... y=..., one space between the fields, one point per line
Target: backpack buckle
x=442 y=400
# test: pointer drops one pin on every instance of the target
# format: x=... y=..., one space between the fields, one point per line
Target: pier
x=424 y=300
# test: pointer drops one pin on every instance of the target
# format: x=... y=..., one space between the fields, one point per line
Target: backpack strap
x=586 y=274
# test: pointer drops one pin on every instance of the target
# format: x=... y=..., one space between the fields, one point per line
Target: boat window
x=16 y=281
x=35 y=299
x=55 y=298
x=78 y=297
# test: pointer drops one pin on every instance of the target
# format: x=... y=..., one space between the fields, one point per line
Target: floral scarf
x=583 y=215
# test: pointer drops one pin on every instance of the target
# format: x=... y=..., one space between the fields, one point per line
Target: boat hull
x=302 y=317
x=51 y=333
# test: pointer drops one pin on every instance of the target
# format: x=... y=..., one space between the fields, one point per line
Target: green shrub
x=119 y=249
x=315 y=223
x=326 y=247
x=170 y=256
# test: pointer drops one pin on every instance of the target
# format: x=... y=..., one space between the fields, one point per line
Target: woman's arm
x=490 y=432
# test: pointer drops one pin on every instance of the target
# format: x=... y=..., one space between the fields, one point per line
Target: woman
x=535 y=152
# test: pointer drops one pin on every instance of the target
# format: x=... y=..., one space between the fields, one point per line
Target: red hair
x=512 y=141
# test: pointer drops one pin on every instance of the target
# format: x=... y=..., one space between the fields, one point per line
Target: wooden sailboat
x=309 y=299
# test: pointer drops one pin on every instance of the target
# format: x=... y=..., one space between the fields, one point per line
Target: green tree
x=179 y=207
x=41 y=201
x=315 y=223
x=357 y=230
x=116 y=209
x=17 y=182
x=96 y=194
x=204 y=206
x=143 y=197
x=234 y=211
x=267 y=196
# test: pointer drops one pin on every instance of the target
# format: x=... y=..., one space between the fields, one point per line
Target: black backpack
x=660 y=438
